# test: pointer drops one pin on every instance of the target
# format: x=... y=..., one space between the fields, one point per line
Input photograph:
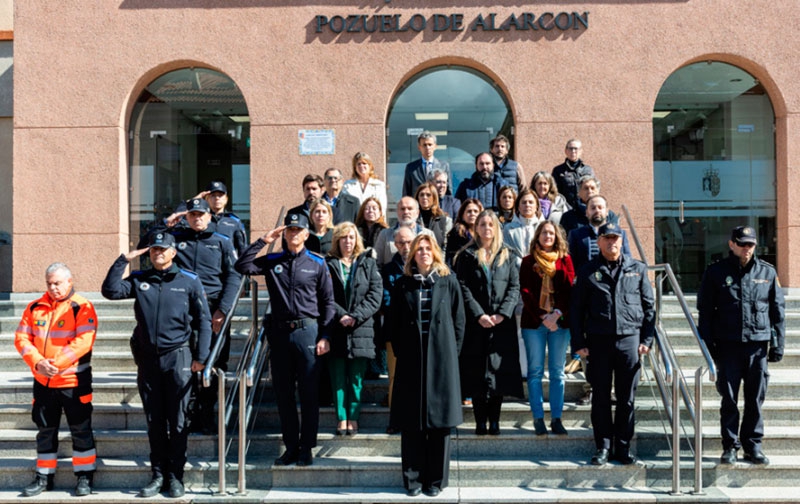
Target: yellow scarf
x=546 y=267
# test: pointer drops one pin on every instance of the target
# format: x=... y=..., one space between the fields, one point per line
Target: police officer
x=612 y=321
x=211 y=255
x=227 y=223
x=301 y=298
x=55 y=338
x=170 y=305
x=741 y=320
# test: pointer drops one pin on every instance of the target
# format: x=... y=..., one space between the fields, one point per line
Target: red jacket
x=63 y=331
x=530 y=284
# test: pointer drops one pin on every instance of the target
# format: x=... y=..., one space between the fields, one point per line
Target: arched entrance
x=189 y=127
x=463 y=107
x=714 y=166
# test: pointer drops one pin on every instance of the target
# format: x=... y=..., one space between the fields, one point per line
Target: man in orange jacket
x=55 y=339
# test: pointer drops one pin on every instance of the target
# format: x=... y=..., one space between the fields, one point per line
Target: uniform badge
x=598 y=276
x=60 y=323
x=728 y=281
x=144 y=286
x=159 y=236
x=278 y=269
x=41 y=323
x=182 y=245
x=91 y=320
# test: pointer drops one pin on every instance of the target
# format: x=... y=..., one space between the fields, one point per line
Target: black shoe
x=391 y=430
x=494 y=430
x=288 y=458
x=432 y=491
x=84 y=486
x=413 y=492
x=176 y=488
x=153 y=487
x=40 y=483
x=480 y=430
x=756 y=457
x=585 y=400
x=624 y=457
x=305 y=458
x=600 y=457
x=538 y=426
x=728 y=456
x=557 y=427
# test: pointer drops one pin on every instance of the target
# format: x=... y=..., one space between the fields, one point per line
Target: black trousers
x=425 y=456
x=614 y=361
x=165 y=384
x=76 y=403
x=739 y=362
x=293 y=358
x=203 y=415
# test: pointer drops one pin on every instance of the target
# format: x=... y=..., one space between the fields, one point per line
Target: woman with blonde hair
x=552 y=204
x=489 y=359
x=431 y=215
x=426 y=320
x=320 y=217
x=358 y=292
x=546 y=283
x=364 y=183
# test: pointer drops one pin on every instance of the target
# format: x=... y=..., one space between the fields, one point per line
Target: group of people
x=446 y=292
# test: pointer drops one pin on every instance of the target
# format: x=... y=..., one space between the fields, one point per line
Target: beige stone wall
x=6 y=15
x=599 y=84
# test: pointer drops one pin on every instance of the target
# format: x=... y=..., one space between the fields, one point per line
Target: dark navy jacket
x=299 y=285
x=211 y=255
x=742 y=304
x=567 y=176
x=483 y=190
x=583 y=245
x=604 y=307
x=169 y=306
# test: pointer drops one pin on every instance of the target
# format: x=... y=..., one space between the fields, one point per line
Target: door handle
x=680 y=212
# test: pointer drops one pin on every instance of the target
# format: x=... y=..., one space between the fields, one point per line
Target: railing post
x=698 y=431
x=676 y=439
x=221 y=429
x=242 y=483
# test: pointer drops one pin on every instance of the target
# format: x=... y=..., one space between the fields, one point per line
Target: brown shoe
x=573 y=367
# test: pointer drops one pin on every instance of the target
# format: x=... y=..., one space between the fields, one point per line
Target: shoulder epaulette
x=765 y=263
x=221 y=235
x=190 y=274
x=316 y=257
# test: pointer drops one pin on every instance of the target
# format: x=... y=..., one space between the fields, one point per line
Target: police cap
x=162 y=240
x=297 y=220
x=609 y=229
x=744 y=234
x=198 y=205
x=217 y=186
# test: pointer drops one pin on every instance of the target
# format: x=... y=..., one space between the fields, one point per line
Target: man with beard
x=407 y=215
x=484 y=183
x=583 y=240
x=508 y=168
x=312 y=190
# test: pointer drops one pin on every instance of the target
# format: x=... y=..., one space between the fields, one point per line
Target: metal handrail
x=680 y=389
x=220 y=341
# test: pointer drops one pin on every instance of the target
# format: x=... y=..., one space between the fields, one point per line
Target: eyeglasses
x=573 y=148
x=745 y=245
x=333 y=179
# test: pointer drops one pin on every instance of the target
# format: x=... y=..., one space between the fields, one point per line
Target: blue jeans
x=556 y=343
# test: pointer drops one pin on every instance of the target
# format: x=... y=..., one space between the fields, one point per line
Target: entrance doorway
x=714 y=167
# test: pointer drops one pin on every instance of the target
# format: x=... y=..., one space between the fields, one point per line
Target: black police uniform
x=739 y=307
x=611 y=314
x=227 y=223
x=169 y=306
x=302 y=309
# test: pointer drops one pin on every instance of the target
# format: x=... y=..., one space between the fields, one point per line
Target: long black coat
x=490 y=357
x=366 y=294
x=427 y=394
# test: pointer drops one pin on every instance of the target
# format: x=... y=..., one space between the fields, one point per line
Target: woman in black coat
x=489 y=360
x=426 y=319
x=358 y=292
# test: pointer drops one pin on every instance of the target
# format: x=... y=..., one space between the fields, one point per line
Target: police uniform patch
x=60 y=323
x=598 y=275
x=182 y=245
x=196 y=202
x=144 y=286
x=278 y=269
x=728 y=281
x=41 y=323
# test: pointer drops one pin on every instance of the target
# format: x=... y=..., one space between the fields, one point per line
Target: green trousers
x=347 y=376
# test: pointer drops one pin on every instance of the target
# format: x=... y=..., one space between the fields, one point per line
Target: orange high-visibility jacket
x=63 y=331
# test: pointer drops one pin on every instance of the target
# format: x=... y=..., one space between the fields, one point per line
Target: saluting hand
x=135 y=253
x=273 y=235
x=174 y=218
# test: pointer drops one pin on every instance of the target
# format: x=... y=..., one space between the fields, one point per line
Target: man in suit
x=345 y=206
x=417 y=171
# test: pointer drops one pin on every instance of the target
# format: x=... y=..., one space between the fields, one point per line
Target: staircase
x=517 y=466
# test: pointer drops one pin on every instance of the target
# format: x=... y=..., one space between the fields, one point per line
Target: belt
x=295 y=324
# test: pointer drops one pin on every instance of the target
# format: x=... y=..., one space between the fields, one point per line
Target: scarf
x=546 y=267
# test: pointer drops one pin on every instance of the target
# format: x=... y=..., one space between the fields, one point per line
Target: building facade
x=687 y=110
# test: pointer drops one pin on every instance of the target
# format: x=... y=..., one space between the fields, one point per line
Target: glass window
x=714 y=166
x=462 y=107
x=189 y=127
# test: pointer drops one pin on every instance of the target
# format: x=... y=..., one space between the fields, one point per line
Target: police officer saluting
x=741 y=320
x=612 y=322
x=301 y=297
x=170 y=305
